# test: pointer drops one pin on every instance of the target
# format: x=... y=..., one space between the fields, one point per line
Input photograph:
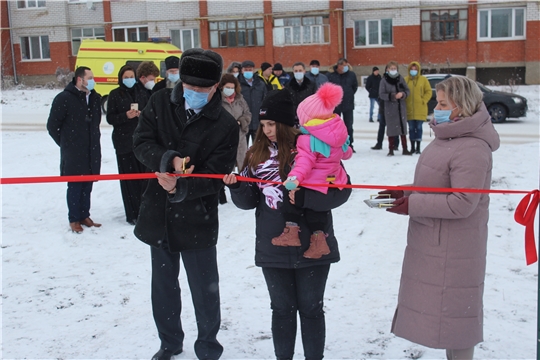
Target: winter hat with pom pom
x=320 y=105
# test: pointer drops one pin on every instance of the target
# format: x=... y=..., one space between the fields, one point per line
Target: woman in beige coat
x=233 y=101
x=442 y=281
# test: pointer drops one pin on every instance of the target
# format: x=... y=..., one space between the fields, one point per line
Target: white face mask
x=228 y=92
x=235 y=75
x=150 y=84
x=299 y=76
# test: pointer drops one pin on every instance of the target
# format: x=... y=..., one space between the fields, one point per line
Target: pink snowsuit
x=313 y=167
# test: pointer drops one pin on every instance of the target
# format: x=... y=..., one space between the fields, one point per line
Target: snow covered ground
x=88 y=296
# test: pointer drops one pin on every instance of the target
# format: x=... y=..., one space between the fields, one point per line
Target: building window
x=441 y=25
x=79 y=34
x=501 y=24
x=130 y=34
x=237 y=33
x=185 y=39
x=25 y=4
x=35 y=48
x=302 y=30
x=373 y=32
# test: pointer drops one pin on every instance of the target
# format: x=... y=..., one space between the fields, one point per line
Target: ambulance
x=105 y=58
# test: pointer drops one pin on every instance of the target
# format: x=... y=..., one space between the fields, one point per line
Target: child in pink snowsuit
x=321 y=148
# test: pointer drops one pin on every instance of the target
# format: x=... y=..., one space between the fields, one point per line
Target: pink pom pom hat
x=320 y=105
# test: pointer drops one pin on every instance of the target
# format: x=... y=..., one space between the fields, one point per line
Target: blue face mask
x=315 y=70
x=91 y=84
x=442 y=116
x=196 y=100
x=413 y=72
x=345 y=68
x=173 y=77
x=248 y=74
x=299 y=75
x=129 y=82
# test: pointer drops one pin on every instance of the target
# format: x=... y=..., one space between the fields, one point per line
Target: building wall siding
x=235 y=8
x=286 y=6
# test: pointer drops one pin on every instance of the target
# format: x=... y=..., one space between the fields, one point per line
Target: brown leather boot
x=317 y=246
x=289 y=237
x=89 y=223
x=404 y=144
x=76 y=227
x=390 y=146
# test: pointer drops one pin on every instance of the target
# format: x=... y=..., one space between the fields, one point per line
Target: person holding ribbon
x=185 y=130
x=296 y=284
x=442 y=282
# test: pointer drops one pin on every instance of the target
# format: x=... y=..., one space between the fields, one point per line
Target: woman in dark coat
x=124 y=119
x=393 y=90
x=296 y=284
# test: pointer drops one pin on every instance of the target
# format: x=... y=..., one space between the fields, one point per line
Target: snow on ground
x=88 y=296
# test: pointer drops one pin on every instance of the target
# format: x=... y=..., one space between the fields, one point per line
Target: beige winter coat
x=442 y=281
x=239 y=109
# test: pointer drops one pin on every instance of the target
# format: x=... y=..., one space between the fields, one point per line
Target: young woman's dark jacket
x=119 y=102
x=269 y=223
x=74 y=126
x=189 y=218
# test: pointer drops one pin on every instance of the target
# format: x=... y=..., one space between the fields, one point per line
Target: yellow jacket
x=417 y=101
x=272 y=83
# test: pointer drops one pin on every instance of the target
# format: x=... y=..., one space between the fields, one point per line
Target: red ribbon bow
x=524 y=215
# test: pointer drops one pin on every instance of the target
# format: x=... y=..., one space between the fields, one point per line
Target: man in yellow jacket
x=270 y=80
x=417 y=104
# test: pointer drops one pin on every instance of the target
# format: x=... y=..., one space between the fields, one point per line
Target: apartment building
x=490 y=40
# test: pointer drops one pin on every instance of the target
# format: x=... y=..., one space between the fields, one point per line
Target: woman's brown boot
x=390 y=146
x=404 y=144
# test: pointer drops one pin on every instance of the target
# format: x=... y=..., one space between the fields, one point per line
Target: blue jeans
x=295 y=291
x=203 y=279
x=372 y=102
x=415 y=130
x=78 y=200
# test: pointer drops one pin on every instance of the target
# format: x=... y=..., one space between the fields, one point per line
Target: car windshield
x=483 y=87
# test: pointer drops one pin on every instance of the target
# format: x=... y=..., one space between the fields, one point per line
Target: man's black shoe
x=376 y=147
x=165 y=354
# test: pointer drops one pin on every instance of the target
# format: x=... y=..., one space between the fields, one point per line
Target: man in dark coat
x=300 y=87
x=185 y=128
x=372 y=86
x=345 y=78
x=172 y=64
x=74 y=125
x=314 y=75
x=253 y=90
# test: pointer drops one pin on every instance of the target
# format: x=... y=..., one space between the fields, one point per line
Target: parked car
x=501 y=105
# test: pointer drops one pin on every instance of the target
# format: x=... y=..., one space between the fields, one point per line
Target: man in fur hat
x=172 y=77
x=185 y=130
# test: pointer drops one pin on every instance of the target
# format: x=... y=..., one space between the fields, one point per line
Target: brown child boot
x=289 y=236
x=317 y=246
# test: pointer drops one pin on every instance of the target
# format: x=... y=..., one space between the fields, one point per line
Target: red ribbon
x=524 y=214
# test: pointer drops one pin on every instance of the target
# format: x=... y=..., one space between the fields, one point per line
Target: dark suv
x=501 y=105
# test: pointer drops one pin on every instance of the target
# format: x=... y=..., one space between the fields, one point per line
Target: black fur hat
x=199 y=67
x=172 y=62
x=278 y=106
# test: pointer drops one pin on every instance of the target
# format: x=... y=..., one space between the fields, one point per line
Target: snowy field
x=68 y=296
